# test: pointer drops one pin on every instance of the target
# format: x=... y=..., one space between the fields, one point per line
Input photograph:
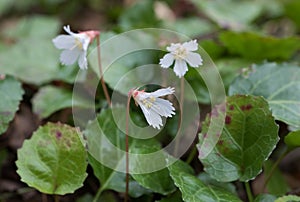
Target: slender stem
x=249 y=192
x=98 y=194
x=101 y=73
x=127 y=148
x=273 y=168
x=181 y=114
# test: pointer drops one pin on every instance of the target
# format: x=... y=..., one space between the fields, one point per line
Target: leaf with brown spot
x=54 y=160
x=248 y=138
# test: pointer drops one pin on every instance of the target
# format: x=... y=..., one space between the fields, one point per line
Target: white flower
x=154 y=107
x=182 y=54
x=74 y=46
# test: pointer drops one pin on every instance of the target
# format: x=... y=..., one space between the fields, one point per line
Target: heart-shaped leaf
x=279 y=84
x=54 y=160
x=248 y=138
x=11 y=94
x=193 y=190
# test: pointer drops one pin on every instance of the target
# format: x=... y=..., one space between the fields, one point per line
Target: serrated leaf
x=193 y=190
x=279 y=84
x=265 y=198
x=11 y=94
x=288 y=198
x=107 y=146
x=257 y=47
x=50 y=99
x=248 y=138
x=54 y=160
x=292 y=140
x=277 y=185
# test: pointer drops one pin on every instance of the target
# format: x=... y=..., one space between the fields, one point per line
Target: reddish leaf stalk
x=101 y=72
x=127 y=147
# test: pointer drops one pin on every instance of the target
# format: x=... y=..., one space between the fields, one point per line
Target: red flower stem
x=101 y=72
x=127 y=148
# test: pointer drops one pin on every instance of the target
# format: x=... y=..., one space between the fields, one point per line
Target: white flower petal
x=64 y=42
x=84 y=39
x=191 y=45
x=180 y=68
x=194 y=59
x=152 y=117
x=163 y=107
x=68 y=30
x=82 y=61
x=173 y=47
x=162 y=92
x=167 y=60
x=68 y=57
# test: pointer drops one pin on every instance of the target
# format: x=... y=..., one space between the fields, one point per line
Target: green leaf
x=288 y=198
x=265 y=198
x=175 y=197
x=37 y=58
x=191 y=27
x=291 y=8
x=277 y=185
x=257 y=47
x=230 y=68
x=158 y=181
x=292 y=140
x=213 y=49
x=53 y=161
x=236 y=15
x=37 y=26
x=279 y=84
x=139 y=15
x=114 y=180
x=63 y=98
x=193 y=190
x=4 y=6
x=11 y=94
x=247 y=140
x=206 y=179
x=107 y=146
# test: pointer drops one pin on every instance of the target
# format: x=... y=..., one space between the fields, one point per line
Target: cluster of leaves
x=236 y=34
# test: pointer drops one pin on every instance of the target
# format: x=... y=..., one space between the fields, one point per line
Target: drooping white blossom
x=182 y=54
x=154 y=107
x=74 y=46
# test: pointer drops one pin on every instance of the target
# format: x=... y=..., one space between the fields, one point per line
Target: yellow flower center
x=180 y=53
x=148 y=102
x=78 y=44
